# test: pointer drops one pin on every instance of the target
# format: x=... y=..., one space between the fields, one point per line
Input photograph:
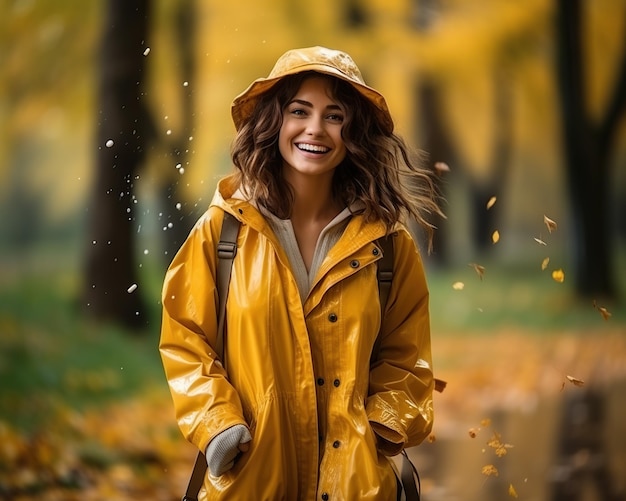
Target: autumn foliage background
x=535 y=369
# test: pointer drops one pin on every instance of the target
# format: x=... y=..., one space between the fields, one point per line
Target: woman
x=319 y=178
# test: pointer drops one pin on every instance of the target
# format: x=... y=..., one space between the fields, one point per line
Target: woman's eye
x=335 y=118
x=297 y=111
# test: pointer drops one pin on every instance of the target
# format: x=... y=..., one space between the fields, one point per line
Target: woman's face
x=310 y=140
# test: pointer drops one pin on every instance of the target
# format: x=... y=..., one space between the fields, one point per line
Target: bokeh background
x=115 y=126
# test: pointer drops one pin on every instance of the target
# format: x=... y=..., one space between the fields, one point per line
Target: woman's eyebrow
x=302 y=102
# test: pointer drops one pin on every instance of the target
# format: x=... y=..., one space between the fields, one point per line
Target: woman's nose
x=315 y=126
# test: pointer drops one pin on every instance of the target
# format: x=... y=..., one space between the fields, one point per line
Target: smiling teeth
x=313 y=147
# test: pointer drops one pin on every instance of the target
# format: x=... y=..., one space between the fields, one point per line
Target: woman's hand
x=223 y=450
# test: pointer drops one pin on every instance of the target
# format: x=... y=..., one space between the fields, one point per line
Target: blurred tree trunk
x=588 y=147
x=181 y=218
x=439 y=146
x=436 y=139
x=110 y=269
x=481 y=190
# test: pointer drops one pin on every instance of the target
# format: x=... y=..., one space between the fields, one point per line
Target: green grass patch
x=508 y=296
x=52 y=358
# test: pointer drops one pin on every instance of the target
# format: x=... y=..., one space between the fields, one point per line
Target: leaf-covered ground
x=503 y=394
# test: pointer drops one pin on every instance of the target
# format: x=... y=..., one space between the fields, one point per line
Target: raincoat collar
x=358 y=233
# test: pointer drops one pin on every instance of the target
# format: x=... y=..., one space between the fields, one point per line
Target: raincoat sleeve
x=205 y=402
x=400 y=405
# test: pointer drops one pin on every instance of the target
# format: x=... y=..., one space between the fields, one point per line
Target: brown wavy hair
x=379 y=170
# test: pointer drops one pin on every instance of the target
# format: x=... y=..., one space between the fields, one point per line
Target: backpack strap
x=226 y=251
x=409 y=480
x=384 y=274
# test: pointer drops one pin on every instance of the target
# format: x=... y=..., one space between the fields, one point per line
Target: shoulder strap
x=226 y=251
x=384 y=274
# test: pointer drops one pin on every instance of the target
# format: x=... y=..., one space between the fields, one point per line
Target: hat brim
x=243 y=105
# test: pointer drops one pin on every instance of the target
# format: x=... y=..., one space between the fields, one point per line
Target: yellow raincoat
x=298 y=373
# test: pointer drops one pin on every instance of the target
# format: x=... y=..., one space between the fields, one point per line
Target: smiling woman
x=310 y=141
x=320 y=386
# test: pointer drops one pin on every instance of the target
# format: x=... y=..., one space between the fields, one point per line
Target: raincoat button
x=336 y=444
x=325 y=496
x=375 y=251
x=320 y=381
x=354 y=263
x=332 y=317
x=336 y=382
x=240 y=211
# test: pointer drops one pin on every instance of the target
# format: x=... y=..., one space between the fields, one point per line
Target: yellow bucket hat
x=321 y=60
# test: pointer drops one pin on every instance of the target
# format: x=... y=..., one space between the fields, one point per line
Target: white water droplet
x=178 y=206
x=132 y=288
x=109 y=143
x=147 y=51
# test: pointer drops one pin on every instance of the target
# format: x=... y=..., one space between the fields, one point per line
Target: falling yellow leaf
x=544 y=263
x=512 y=491
x=606 y=314
x=501 y=451
x=458 y=286
x=491 y=202
x=432 y=438
x=499 y=446
x=558 y=275
x=480 y=270
x=495 y=237
x=490 y=470
x=575 y=381
x=485 y=422
x=539 y=241
x=551 y=225
x=441 y=168
x=440 y=385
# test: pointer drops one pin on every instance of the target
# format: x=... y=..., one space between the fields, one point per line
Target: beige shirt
x=328 y=237
x=286 y=236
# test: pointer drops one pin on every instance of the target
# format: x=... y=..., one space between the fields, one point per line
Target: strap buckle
x=226 y=250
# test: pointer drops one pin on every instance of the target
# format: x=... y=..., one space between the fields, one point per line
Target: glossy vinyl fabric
x=299 y=374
